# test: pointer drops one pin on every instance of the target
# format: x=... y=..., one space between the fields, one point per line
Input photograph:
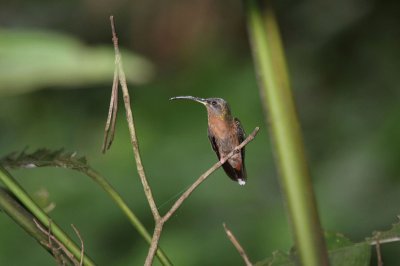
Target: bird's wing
x=241 y=137
x=213 y=143
x=241 y=134
x=226 y=166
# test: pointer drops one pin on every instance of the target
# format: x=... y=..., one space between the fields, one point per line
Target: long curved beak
x=196 y=99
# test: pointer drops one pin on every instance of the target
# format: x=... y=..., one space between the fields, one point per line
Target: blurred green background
x=56 y=69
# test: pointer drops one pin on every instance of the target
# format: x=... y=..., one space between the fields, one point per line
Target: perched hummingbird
x=225 y=133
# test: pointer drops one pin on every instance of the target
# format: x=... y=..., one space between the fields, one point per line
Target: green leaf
x=31 y=60
x=279 y=258
x=355 y=255
x=342 y=252
x=391 y=235
x=336 y=240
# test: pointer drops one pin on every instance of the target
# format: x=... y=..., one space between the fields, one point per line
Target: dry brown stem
x=109 y=132
x=186 y=194
x=82 y=244
x=237 y=245
x=59 y=246
x=203 y=177
x=112 y=115
x=131 y=124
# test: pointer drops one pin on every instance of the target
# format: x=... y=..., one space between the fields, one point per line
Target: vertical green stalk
x=289 y=149
x=19 y=193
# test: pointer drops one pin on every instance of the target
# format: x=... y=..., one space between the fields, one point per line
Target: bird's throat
x=220 y=126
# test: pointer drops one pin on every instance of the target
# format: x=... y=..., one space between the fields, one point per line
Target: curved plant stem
x=158 y=219
x=21 y=216
x=289 y=150
x=41 y=216
x=99 y=179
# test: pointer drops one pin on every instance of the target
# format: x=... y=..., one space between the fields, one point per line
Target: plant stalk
x=41 y=216
x=279 y=105
x=128 y=212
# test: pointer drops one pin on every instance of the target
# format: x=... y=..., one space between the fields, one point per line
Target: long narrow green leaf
x=60 y=158
x=41 y=216
x=25 y=219
x=278 y=103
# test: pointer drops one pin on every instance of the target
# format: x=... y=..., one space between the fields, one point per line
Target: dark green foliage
x=45 y=157
x=61 y=158
x=342 y=252
x=344 y=67
x=391 y=235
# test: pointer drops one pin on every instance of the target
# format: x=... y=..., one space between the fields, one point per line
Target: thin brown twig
x=112 y=115
x=48 y=232
x=82 y=244
x=131 y=125
x=378 y=253
x=52 y=239
x=154 y=242
x=188 y=192
x=55 y=251
x=237 y=245
x=60 y=260
x=158 y=219
x=385 y=240
x=203 y=177
x=115 y=111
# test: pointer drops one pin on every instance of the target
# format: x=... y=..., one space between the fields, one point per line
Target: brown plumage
x=225 y=133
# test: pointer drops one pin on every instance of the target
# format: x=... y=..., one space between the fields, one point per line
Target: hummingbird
x=225 y=132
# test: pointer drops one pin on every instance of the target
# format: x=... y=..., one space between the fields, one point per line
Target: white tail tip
x=241 y=182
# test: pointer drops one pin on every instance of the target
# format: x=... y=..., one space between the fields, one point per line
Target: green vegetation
x=343 y=74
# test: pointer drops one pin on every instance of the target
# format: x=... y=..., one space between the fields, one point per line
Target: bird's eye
x=214 y=103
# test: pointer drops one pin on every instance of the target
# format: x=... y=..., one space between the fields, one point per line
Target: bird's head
x=215 y=106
